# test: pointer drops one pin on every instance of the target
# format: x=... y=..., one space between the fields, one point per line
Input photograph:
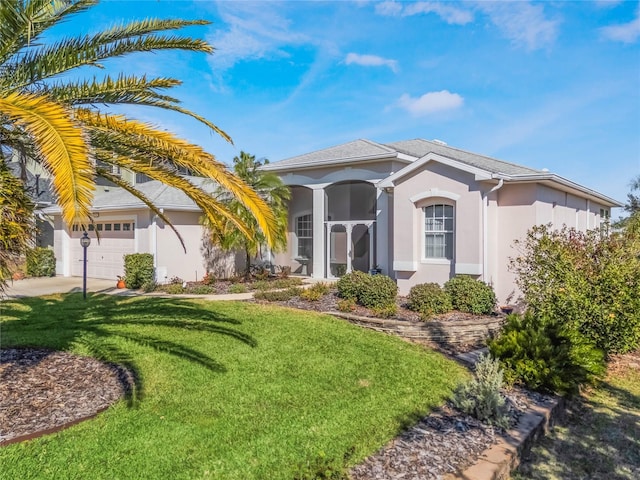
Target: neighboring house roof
x=38 y=189
x=161 y=195
x=418 y=152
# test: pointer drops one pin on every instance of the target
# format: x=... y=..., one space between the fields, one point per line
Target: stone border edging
x=453 y=333
x=497 y=462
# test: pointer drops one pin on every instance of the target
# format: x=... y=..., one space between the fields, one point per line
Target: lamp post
x=85 y=241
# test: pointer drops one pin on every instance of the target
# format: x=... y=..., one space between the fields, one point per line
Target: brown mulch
x=42 y=391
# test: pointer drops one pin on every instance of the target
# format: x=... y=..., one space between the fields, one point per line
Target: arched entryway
x=350 y=227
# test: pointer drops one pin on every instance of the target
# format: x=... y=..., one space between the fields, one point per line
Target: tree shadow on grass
x=100 y=324
x=599 y=439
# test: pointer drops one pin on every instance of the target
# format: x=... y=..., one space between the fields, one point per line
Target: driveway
x=34 y=287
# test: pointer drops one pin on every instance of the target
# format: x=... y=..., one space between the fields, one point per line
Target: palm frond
x=116 y=154
x=126 y=90
x=62 y=147
x=59 y=57
x=21 y=23
x=140 y=196
x=152 y=144
x=123 y=89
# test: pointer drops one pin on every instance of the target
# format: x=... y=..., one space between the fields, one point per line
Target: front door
x=349 y=247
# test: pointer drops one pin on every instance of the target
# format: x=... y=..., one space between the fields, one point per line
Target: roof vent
x=545 y=169
x=439 y=142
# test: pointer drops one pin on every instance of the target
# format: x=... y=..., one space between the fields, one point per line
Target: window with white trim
x=438 y=231
x=304 y=234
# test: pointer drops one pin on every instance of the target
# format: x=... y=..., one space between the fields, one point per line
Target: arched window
x=438 y=231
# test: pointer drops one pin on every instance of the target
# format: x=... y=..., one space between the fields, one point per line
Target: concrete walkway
x=35 y=287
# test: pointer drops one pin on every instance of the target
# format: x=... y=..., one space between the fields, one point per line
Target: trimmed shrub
x=546 y=355
x=349 y=285
x=371 y=291
x=41 y=262
x=377 y=291
x=429 y=299
x=201 y=289
x=173 y=288
x=138 y=269
x=480 y=397
x=471 y=296
x=150 y=286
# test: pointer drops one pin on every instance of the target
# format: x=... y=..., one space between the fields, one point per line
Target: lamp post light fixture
x=85 y=241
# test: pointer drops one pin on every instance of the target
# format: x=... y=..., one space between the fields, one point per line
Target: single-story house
x=422 y=211
x=417 y=210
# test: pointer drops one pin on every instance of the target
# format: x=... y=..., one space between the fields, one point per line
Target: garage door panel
x=104 y=258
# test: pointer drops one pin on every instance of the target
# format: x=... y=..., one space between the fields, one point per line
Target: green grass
x=226 y=390
x=601 y=437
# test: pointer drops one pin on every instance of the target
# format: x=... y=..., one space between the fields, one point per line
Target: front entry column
x=318 y=232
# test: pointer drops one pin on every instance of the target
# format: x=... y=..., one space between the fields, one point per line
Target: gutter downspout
x=485 y=229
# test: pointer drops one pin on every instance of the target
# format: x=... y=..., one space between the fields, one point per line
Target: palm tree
x=269 y=186
x=62 y=123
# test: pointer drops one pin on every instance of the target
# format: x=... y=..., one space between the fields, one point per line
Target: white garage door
x=104 y=259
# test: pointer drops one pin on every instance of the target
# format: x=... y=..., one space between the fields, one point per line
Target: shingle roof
x=363 y=150
x=160 y=195
x=345 y=153
x=419 y=148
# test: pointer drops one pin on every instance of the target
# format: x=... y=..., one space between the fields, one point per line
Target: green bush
x=138 y=269
x=429 y=299
x=349 y=285
x=480 y=397
x=278 y=295
x=588 y=280
x=469 y=295
x=41 y=262
x=371 y=291
x=546 y=355
x=149 y=286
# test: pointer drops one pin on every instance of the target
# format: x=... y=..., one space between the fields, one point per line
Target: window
x=116 y=227
x=126 y=227
x=91 y=228
x=107 y=227
x=304 y=232
x=438 y=231
x=74 y=228
x=99 y=227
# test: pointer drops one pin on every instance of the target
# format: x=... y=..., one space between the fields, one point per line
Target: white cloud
x=522 y=23
x=626 y=32
x=431 y=102
x=450 y=14
x=371 y=61
x=255 y=31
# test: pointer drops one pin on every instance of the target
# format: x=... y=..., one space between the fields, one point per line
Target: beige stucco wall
x=519 y=208
x=408 y=233
x=172 y=259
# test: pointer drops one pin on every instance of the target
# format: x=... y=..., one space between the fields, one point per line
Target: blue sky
x=545 y=84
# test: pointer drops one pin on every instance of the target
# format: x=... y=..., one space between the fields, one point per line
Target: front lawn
x=227 y=390
x=601 y=437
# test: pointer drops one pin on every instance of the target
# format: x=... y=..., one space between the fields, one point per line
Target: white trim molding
x=405 y=266
x=434 y=192
x=469 y=269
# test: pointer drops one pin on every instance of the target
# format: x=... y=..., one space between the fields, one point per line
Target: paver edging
x=498 y=461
